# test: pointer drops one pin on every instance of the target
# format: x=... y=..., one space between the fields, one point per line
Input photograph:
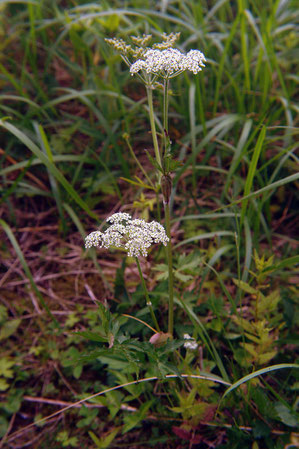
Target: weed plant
x=194 y=345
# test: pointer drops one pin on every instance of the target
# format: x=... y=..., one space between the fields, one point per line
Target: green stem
x=170 y=269
x=158 y=207
x=165 y=114
x=126 y=137
x=148 y=301
x=149 y=91
x=167 y=212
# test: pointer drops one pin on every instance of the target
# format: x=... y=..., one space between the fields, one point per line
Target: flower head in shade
x=190 y=342
x=135 y=236
x=169 y=62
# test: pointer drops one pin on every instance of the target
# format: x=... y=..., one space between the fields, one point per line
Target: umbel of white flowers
x=135 y=236
x=160 y=59
x=190 y=343
x=169 y=62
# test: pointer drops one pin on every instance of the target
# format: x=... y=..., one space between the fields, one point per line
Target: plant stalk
x=148 y=301
x=170 y=269
x=149 y=91
x=165 y=114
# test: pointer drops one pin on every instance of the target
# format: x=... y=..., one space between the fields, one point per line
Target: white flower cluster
x=133 y=235
x=169 y=62
x=190 y=343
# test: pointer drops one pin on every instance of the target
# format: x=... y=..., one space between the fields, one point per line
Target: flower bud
x=160 y=338
x=166 y=186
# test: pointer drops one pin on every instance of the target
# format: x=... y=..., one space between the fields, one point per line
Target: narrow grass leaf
x=251 y=171
x=259 y=373
x=205 y=338
x=248 y=250
x=56 y=173
x=272 y=186
x=240 y=149
x=224 y=289
x=207 y=235
x=224 y=56
x=55 y=187
x=211 y=262
x=26 y=269
x=289 y=262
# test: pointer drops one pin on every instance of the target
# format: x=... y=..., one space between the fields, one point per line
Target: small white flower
x=187 y=337
x=169 y=62
x=190 y=343
x=93 y=239
x=134 y=236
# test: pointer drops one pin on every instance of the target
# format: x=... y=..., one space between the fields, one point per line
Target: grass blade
x=26 y=269
x=205 y=338
x=251 y=171
x=55 y=172
x=259 y=373
x=206 y=235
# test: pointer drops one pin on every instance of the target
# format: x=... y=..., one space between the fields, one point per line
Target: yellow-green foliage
x=259 y=326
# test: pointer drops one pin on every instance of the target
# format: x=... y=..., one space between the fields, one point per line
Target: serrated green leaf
x=9 y=328
x=244 y=324
x=77 y=371
x=71 y=320
x=285 y=415
x=5 y=367
x=268 y=303
x=182 y=277
x=104 y=442
x=266 y=357
x=170 y=346
x=174 y=164
x=138 y=183
x=92 y=336
x=188 y=262
x=154 y=162
x=289 y=262
x=91 y=356
x=131 y=421
x=250 y=348
x=245 y=287
x=3 y=384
